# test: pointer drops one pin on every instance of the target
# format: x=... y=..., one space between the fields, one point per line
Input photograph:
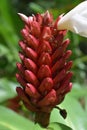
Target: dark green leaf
x=35 y=7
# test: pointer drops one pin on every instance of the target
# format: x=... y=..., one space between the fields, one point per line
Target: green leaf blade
x=9 y=120
x=58 y=126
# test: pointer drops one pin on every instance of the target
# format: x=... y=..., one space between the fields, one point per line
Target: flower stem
x=42 y=118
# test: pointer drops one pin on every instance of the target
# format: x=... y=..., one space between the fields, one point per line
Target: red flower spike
x=59 y=77
x=49 y=99
x=44 y=47
x=58 y=65
x=44 y=59
x=20 y=80
x=24 y=98
x=35 y=28
x=21 y=56
x=46 y=34
x=20 y=68
x=47 y=19
x=68 y=65
x=30 y=65
x=67 y=54
x=32 y=91
x=31 y=78
x=44 y=73
x=22 y=45
x=39 y=19
x=46 y=85
x=59 y=52
x=30 y=53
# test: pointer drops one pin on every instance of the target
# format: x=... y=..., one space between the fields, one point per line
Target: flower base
x=42 y=118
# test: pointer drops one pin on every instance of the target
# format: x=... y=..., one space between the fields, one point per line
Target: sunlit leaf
x=38 y=127
x=12 y=121
x=58 y=126
x=7 y=89
x=78 y=90
x=76 y=116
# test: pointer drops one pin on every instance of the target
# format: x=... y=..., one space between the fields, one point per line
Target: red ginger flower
x=44 y=72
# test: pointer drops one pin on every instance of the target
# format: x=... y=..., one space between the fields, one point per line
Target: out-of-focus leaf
x=7 y=29
x=55 y=117
x=38 y=127
x=7 y=89
x=52 y=126
x=3 y=50
x=10 y=39
x=76 y=116
x=86 y=104
x=78 y=91
x=36 y=8
x=58 y=126
x=9 y=120
x=7 y=14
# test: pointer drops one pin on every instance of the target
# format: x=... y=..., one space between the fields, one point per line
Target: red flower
x=44 y=69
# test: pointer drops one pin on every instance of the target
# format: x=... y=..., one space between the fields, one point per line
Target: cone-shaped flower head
x=75 y=20
x=44 y=69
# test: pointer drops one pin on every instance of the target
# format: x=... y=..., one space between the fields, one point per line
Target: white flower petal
x=79 y=25
x=75 y=20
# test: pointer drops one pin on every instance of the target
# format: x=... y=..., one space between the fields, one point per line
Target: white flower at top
x=75 y=20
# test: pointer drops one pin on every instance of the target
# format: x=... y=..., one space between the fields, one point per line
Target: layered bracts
x=44 y=69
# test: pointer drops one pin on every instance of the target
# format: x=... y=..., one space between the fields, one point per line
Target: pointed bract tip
x=23 y=17
x=47 y=13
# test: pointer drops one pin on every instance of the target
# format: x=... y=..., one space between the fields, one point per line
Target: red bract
x=44 y=69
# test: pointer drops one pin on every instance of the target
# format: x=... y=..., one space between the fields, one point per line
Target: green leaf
x=78 y=90
x=76 y=116
x=58 y=126
x=9 y=120
x=86 y=104
x=7 y=89
x=7 y=29
x=53 y=126
x=3 y=50
x=38 y=127
x=35 y=7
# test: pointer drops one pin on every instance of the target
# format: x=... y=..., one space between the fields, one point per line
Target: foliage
x=75 y=103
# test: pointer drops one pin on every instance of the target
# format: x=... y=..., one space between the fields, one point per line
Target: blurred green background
x=10 y=26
